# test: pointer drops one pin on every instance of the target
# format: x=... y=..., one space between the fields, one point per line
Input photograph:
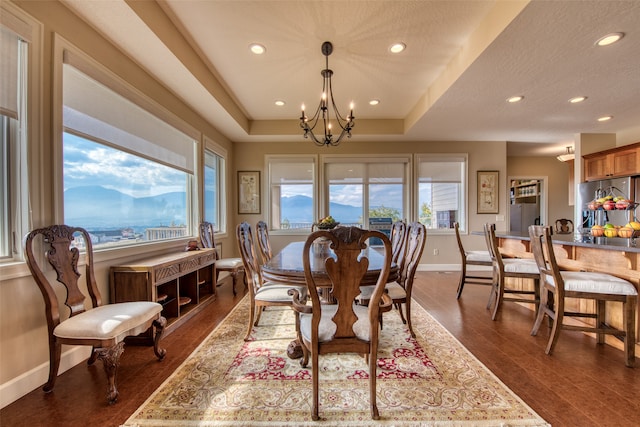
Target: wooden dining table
x=286 y=266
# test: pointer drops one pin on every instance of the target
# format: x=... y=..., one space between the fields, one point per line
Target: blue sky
x=89 y=163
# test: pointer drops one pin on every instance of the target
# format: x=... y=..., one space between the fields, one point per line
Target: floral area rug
x=428 y=381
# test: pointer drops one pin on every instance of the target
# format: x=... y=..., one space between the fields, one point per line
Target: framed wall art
x=248 y=192
x=487 y=192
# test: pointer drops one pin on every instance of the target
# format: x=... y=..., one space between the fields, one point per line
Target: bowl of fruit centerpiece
x=326 y=223
x=321 y=245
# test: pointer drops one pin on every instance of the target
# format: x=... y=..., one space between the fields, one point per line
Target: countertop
x=576 y=239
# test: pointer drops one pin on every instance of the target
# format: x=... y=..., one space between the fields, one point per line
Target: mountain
x=96 y=207
x=300 y=209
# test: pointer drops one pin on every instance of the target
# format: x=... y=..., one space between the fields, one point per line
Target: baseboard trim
x=24 y=384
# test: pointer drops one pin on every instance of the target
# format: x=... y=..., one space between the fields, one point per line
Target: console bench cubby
x=182 y=282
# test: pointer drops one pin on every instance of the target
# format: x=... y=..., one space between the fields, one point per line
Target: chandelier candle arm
x=309 y=125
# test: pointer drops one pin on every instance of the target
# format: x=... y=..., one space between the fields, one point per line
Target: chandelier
x=324 y=112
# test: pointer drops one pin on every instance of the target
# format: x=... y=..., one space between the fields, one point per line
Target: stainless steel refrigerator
x=627 y=187
x=522 y=215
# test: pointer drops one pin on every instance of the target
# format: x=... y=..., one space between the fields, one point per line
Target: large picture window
x=366 y=192
x=127 y=174
x=441 y=190
x=357 y=191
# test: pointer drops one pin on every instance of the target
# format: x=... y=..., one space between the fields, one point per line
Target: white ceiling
x=463 y=59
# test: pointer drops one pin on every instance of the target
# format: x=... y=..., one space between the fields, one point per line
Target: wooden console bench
x=182 y=282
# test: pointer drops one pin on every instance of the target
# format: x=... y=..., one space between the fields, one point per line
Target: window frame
x=25 y=196
x=266 y=188
x=464 y=193
x=406 y=159
x=321 y=190
x=66 y=52
x=221 y=195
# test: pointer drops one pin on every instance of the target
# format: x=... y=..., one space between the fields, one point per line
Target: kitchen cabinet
x=617 y=162
x=182 y=282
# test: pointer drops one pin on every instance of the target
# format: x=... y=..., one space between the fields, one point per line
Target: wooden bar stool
x=478 y=258
x=503 y=268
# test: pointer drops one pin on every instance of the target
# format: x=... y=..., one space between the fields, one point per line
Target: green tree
x=425 y=214
x=384 y=212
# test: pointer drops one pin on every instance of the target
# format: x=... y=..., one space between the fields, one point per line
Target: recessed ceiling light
x=374 y=102
x=609 y=39
x=577 y=99
x=604 y=118
x=517 y=98
x=257 y=48
x=397 y=47
x=280 y=102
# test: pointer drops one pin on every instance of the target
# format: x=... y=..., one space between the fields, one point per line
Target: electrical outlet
x=436 y=251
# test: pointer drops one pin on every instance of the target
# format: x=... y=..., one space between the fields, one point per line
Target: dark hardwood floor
x=582 y=384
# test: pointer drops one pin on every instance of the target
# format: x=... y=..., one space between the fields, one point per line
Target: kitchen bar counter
x=585 y=241
x=617 y=256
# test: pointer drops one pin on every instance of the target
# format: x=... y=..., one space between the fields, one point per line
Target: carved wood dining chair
x=262 y=293
x=101 y=326
x=564 y=226
x=398 y=236
x=262 y=234
x=475 y=258
x=343 y=327
x=400 y=290
x=513 y=268
x=233 y=266
x=557 y=286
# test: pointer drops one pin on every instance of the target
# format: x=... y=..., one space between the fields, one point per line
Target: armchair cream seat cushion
x=277 y=292
x=327 y=328
x=393 y=289
x=229 y=263
x=111 y=321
